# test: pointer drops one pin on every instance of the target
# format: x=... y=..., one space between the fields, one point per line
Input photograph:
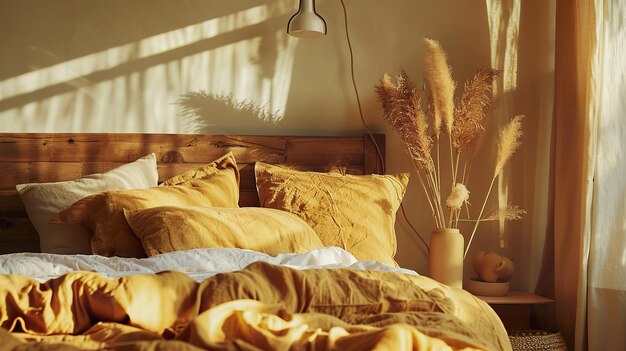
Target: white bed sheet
x=199 y=264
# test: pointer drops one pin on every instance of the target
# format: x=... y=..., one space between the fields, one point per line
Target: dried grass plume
x=509 y=213
x=402 y=108
x=476 y=102
x=441 y=84
x=508 y=142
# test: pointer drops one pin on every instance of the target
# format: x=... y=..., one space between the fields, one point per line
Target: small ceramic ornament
x=492 y=267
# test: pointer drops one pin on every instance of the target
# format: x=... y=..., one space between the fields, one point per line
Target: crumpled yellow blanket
x=262 y=307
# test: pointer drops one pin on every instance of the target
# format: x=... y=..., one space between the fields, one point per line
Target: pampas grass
x=508 y=142
x=441 y=84
x=403 y=110
x=509 y=213
x=476 y=102
x=442 y=88
x=402 y=106
x=408 y=108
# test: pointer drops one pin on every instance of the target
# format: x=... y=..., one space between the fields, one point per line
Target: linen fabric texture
x=43 y=200
x=168 y=228
x=216 y=184
x=260 y=307
x=355 y=213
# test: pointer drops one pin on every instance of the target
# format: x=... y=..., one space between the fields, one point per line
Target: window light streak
x=510 y=57
x=157 y=44
x=138 y=95
x=279 y=83
x=504 y=20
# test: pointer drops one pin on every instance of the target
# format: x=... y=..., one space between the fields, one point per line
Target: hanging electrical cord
x=356 y=91
x=369 y=132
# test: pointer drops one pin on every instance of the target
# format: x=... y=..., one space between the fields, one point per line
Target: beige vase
x=445 y=261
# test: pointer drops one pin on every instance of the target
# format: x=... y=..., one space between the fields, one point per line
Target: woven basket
x=537 y=340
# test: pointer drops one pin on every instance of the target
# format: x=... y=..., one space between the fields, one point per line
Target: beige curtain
x=585 y=252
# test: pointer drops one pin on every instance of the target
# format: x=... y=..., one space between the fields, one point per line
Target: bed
x=304 y=296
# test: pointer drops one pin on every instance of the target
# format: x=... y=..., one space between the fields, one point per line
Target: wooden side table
x=514 y=309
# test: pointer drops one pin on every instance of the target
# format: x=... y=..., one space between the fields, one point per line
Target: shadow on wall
x=117 y=66
x=45 y=33
x=201 y=110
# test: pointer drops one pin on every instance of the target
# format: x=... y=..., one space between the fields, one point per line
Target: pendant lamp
x=306 y=23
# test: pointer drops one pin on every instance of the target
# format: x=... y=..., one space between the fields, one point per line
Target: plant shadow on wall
x=103 y=66
x=203 y=112
x=219 y=112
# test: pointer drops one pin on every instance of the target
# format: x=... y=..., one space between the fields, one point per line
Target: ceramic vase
x=445 y=261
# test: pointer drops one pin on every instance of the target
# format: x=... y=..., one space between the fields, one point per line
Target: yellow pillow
x=217 y=185
x=356 y=213
x=170 y=228
x=213 y=170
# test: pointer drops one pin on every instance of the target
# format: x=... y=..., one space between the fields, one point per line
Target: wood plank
x=325 y=151
x=18 y=235
x=250 y=149
x=248 y=198
x=76 y=147
x=11 y=205
x=20 y=147
x=100 y=148
x=514 y=317
x=374 y=154
x=516 y=298
x=12 y=174
x=41 y=172
x=168 y=147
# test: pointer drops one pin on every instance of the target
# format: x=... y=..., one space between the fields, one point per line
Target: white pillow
x=43 y=200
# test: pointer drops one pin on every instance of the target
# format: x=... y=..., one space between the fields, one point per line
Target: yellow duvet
x=262 y=307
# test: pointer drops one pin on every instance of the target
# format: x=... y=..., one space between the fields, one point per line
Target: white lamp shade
x=306 y=23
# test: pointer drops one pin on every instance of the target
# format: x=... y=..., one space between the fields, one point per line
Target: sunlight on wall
x=504 y=22
x=133 y=87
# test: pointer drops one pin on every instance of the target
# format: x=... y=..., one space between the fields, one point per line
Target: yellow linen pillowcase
x=219 y=170
x=216 y=184
x=170 y=228
x=356 y=213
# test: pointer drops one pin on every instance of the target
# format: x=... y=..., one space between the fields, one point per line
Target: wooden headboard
x=28 y=158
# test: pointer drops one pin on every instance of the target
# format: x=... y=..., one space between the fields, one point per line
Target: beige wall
x=120 y=66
